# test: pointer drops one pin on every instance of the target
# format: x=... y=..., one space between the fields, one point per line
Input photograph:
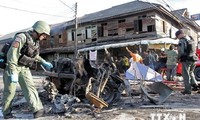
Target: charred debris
x=75 y=86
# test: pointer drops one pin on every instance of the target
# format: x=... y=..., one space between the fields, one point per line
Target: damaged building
x=129 y=24
x=115 y=28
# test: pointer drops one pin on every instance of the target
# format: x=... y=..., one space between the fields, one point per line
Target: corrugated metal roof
x=57 y=28
x=180 y=15
x=179 y=11
x=123 y=9
x=130 y=7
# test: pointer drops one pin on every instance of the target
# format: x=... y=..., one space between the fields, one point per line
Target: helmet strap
x=35 y=35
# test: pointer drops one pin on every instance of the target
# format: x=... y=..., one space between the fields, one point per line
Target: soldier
x=187 y=57
x=22 y=55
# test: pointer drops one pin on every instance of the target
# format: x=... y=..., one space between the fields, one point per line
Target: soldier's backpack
x=4 y=51
x=191 y=50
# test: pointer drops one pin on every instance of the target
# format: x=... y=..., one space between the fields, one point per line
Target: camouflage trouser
x=27 y=86
x=188 y=75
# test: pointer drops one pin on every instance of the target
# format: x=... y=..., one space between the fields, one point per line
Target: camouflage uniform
x=24 y=76
x=187 y=66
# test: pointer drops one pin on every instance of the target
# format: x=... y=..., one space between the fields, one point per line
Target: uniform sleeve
x=38 y=58
x=14 y=52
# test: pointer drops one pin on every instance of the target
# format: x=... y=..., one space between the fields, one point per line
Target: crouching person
x=22 y=55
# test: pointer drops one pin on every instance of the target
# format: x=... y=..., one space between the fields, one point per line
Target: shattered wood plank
x=60 y=75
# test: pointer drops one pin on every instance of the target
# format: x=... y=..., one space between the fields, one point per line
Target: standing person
x=161 y=60
x=23 y=52
x=172 y=56
x=144 y=56
x=125 y=63
x=136 y=57
x=153 y=52
x=188 y=64
x=120 y=64
x=150 y=60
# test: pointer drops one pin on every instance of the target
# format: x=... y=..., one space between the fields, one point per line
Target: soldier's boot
x=38 y=113
x=195 y=88
x=8 y=116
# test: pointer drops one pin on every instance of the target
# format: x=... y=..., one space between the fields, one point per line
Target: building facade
x=111 y=28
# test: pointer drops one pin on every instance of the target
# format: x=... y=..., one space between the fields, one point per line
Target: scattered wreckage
x=72 y=82
x=102 y=86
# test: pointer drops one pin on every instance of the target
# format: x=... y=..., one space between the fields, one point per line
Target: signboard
x=93 y=55
x=195 y=17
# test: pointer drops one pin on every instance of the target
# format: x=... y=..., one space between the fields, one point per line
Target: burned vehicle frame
x=102 y=85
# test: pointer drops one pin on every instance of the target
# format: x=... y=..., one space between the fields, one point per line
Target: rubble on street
x=72 y=91
x=128 y=107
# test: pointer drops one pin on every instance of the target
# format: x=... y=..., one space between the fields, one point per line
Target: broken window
x=164 y=28
x=60 y=39
x=79 y=34
x=73 y=36
x=86 y=34
x=101 y=29
x=104 y=24
x=91 y=32
x=112 y=32
x=121 y=21
x=129 y=29
x=136 y=29
x=151 y=28
x=138 y=25
x=112 y=28
x=94 y=39
x=122 y=27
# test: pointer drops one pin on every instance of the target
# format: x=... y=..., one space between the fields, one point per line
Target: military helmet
x=41 y=27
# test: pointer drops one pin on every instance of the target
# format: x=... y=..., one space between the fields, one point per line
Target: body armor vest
x=28 y=52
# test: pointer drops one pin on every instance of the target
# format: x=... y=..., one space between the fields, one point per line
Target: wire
x=160 y=1
x=67 y=5
x=157 y=8
x=163 y=2
x=30 y=11
x=169 y=3
x=162 y=13
x=188 y=20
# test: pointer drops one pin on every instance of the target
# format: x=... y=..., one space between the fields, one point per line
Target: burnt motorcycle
x=102 y=85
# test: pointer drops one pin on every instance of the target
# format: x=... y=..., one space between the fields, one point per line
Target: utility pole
x=75 y=36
